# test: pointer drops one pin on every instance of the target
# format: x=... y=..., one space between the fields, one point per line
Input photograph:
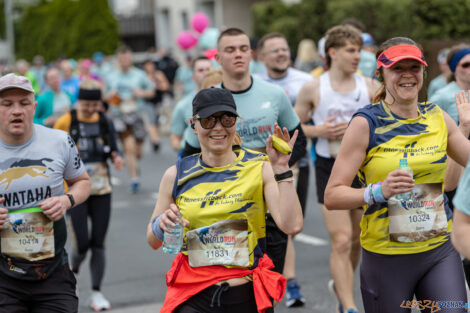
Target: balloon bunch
x=201 y=33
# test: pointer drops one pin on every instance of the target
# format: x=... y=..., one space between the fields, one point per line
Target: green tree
x=295 y=21
x=441 y=19
x=66 y=28
x=422 y=20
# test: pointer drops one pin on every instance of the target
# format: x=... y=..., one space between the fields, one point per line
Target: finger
x=2 y=199
x=269 y=145
x=285 y=134
x=330 y=120
x=185 y=222
x=294 y=138
x=277 y=130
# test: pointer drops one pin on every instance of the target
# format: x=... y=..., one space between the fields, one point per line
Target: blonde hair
x=90 y=84
x=213 y=77
x=307 y=51
x=237 y=140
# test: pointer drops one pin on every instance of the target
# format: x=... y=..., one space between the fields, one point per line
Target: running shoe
x=98 y=302
x=294 y=297
x=134 y=187
x=352 y=311
x=332 y=289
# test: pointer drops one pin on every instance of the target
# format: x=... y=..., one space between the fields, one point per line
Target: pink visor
x=400 y=52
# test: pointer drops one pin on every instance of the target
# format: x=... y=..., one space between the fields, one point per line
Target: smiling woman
x=221 y=197
x=398 y=234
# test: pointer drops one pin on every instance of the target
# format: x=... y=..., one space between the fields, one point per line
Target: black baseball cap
x=212 y=100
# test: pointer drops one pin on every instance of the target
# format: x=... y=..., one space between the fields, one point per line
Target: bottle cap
x=403 y=162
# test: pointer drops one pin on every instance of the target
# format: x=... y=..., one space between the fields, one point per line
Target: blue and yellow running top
x=205 y=195
x=423 y=142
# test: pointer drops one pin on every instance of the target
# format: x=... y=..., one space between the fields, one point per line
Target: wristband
x=373 y=194
x=71 y=199
x=157 y=230
x=377 y=193
x=286 y=180
x=282 y=176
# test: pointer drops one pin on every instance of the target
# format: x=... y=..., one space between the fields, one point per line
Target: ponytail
x=237 y=140
x=380 y=94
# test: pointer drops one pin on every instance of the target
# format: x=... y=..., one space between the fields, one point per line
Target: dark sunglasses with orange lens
x=227 y=120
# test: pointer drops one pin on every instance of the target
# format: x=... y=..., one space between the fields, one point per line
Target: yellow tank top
x=423 y=142
x=205 y=195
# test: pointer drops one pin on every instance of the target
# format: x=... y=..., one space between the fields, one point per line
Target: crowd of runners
x=389 y=170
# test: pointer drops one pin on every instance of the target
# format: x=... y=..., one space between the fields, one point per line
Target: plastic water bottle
x=173 y=240
x=404 y=167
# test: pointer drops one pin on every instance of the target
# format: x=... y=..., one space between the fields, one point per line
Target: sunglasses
x=465 y=65
x=227 y=120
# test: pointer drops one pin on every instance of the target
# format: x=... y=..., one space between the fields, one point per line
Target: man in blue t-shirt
x=128 y=88
x=275 y=54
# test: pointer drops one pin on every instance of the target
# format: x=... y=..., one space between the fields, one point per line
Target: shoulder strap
x=104 y=128
x=74 y=129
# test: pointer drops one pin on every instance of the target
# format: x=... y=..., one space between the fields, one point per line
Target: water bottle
x=173 y=240
x=404 y=167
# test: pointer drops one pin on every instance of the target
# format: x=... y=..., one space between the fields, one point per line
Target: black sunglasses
x=227 y=120
x=465 y=65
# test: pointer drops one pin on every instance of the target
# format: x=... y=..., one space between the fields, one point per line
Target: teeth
x=218 y=137
x=407 y=85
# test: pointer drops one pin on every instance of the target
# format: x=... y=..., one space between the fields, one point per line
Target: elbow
x=329 y=201
x=297 y=229
x=153 y=241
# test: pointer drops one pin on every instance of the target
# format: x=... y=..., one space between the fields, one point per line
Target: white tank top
x=343 y=106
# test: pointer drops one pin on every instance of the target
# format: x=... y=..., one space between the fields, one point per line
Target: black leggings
x=98 y=208
x=388 y=280
x=222 y=299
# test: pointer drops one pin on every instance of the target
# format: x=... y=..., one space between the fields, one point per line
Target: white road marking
x=115 y=181
x=310 y=240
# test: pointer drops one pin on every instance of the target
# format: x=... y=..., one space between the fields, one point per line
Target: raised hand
x=463 y=108
x=279 y=161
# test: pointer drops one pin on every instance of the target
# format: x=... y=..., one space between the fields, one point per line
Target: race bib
x=28 y=234
x=99 y=176
x=222 y=243
x=419 y=219
x=128 y=106
x=333 y=147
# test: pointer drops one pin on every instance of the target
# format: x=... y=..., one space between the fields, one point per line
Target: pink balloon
x=186 y=40
x=199 y=22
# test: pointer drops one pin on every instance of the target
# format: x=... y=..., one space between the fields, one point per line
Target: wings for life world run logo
x=14 y=170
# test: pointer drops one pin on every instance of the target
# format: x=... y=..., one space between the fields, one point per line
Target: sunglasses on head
x=227 y=120
x=465 y=65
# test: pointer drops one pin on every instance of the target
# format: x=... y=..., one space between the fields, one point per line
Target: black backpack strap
x=74 y=129
x=105 y=134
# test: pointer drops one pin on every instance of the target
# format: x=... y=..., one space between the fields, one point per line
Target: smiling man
x=334 y=98
x=34 y=270
x=275 y=55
